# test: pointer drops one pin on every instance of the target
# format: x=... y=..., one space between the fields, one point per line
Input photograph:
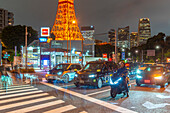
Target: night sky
x=103 y=14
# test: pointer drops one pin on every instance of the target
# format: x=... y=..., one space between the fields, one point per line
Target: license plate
x=51 y=77
x=147 y=81
x=81 y=81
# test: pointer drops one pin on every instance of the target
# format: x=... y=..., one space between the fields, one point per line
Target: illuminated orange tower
x=65 y=26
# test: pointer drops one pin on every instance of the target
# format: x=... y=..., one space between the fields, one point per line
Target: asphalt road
x=61 y=97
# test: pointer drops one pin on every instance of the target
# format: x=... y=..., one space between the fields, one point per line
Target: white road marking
x=167 y=90
x=90 y=99
x=17 y=88
x=150 y=105
x=36 y=107
x=98 y=92
x=67 y=85
x=19 y=91
x=61 y=109
x=22 y=98
x=25 y=102
x=162 y=96
x=19 y=94
x=83 y=112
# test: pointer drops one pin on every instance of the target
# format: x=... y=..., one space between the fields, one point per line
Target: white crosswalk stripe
x=20 y=94
x=36 y=107
x=61 y=109
x=16 y=88
x=20 y=97
x=18 y=91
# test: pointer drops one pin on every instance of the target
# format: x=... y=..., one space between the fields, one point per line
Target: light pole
x=162 y=57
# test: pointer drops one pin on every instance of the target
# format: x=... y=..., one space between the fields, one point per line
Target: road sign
x=150 y=52
x=123 y=55
x=45 y=31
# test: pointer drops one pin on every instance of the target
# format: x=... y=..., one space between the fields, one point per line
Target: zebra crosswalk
x=26 y=98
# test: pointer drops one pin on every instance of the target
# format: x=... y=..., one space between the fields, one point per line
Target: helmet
x=122 y=62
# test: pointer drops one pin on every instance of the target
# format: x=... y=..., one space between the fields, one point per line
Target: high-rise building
x=133 y=39
x=6 y=19
x=144 y=30
x=87 y=32
x=65 y=26
x=123 y=37
x=111 y=36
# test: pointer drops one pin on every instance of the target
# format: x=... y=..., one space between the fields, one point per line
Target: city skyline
x=41 y=13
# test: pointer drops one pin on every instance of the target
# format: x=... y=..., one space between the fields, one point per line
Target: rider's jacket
x=122 y=71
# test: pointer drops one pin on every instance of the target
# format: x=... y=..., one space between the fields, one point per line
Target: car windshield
x=62 y=66
x=154 y=69
x=93 y=66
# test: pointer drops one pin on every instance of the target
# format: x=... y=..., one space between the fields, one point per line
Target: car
x=95 y=73
x=143 y=66
x=156 y=75
x=63 y=72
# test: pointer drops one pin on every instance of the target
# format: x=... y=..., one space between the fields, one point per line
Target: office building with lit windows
x=111 y=36
x=6 y=19
x=87 y=32
x=144 y=30
x=133 y=39
x=123 y=38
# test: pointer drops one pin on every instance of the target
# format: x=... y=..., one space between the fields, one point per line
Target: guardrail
x=5 y=81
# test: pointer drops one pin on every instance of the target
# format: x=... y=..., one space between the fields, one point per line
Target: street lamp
x=136 y=51
x=158 y=47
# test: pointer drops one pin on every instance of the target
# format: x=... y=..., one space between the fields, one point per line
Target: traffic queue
x=104 y=73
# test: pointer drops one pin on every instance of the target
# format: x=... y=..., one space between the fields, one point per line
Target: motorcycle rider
x=124 y=72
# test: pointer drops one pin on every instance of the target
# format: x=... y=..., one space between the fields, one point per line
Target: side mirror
x=98 y=70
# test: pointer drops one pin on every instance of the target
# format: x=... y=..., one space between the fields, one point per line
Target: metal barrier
x=5 y=81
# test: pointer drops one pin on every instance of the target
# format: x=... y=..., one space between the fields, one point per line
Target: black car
x=153 y=75
x=95 y=73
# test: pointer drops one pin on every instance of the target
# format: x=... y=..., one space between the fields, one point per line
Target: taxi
x=153 y=75
x=95 y=73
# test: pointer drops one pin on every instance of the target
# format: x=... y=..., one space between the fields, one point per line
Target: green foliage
x=15 y=36
x=151 y=61
x=167 y=54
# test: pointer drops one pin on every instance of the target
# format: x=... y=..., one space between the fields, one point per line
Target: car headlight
x=59 y=73
x=138 y=71
x=46 y=75
x=159 y=77
x=116 y=82
x=139 y=76
x=48 y=72
x=76 y=75
x=92 y=76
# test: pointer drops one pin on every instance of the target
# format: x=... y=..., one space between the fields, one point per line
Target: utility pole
x=115 y=47
x=26 y=47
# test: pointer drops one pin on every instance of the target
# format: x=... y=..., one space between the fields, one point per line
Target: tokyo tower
x=65 y=26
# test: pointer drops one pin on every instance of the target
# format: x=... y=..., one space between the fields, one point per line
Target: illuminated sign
x=168 y=60
x=45 y=31
x=43 y=40
x=104 y=55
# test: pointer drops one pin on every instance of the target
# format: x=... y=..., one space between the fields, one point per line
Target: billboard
x=45 y=31
x=150 y=52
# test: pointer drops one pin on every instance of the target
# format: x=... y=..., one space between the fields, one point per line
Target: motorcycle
x=117 y=86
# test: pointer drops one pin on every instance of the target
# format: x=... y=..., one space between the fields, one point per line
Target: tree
x=15 y=36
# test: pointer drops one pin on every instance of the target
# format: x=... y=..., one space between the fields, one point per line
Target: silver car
x=63 y=72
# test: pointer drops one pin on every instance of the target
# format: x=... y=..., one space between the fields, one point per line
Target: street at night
x=84 y=56
x=61 y=97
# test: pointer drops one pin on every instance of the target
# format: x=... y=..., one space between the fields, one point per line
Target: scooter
x=117 y=87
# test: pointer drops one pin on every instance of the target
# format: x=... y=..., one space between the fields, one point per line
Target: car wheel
x=65 y=78
x=162 y=85
x=137 y=82
x=113 y=92
x=99 y=83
